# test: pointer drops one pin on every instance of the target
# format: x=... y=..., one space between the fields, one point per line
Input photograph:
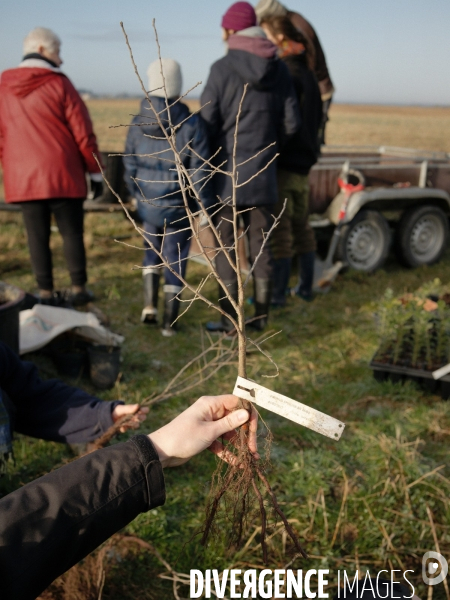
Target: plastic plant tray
x=382 y=372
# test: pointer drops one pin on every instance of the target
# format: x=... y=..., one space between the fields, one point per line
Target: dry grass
x=359 y=504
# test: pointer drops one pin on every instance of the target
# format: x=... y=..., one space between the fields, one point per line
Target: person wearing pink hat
x=269 y=115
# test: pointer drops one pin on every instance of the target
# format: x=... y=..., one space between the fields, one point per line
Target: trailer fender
x=393 y=198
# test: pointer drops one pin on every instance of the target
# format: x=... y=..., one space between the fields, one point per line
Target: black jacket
x=269 y=114
x=50 y=524
x=50 y=410
x=156 y=175
x=301 y=151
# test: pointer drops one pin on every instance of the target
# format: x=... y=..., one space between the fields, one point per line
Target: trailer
x=391 y=196
x=379 y=197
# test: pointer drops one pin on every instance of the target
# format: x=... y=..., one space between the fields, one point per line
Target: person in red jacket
x=46 y=147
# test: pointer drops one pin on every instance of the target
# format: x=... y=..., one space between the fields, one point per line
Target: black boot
x=263 y=294
x=306 y=272
x=225 y=325
x=281 y=274
x=151 y=288
x=171 y=309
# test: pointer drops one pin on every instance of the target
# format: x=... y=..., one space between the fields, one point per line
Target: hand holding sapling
x=200 y=426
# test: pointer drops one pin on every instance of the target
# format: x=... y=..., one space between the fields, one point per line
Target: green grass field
x=357 y=504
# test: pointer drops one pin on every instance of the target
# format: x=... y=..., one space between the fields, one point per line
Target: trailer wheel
x=365 y=241
x=422 y=236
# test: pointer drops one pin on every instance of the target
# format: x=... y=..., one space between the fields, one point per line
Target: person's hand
x=198 y=428
x=96 y=188
x=122 y=410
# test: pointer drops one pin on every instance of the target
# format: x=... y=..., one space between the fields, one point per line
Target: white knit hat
x=172 y=78
x=270 y=8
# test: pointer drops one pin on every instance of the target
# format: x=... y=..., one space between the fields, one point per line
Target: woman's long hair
x=284 y=26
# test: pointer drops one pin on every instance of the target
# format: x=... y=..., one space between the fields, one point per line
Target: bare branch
x=265 y=238
x=266 y=354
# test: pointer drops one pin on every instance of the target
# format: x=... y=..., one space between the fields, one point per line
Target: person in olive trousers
x=294 y=236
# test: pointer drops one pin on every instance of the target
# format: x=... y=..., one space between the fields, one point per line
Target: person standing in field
x=46 y=147
x=273 y=8
x=269 y=115
x=152 y=180
x=294 y=235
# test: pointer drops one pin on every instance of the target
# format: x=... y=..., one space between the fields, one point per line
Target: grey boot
x=151 y=288
x=263 y=294
x=224 y=324
x=171 y=309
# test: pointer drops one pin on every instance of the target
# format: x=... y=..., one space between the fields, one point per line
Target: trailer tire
x=365 y=241
x=422 y=236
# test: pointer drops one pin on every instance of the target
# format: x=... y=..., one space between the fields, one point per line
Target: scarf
x=252 y=40
x=6 y=453
x=38 y=56
x=289 y=47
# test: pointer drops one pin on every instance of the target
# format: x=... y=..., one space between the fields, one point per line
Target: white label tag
x=442 y=372
x=288 y=408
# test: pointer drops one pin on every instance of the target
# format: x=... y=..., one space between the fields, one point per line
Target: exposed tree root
x=234 y=493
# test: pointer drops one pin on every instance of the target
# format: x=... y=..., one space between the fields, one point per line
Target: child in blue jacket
x=152 y=179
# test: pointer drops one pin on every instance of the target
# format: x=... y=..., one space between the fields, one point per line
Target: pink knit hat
x=239 y=16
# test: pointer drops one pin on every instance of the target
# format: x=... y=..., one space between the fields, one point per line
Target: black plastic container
x=441 y=387
x=104 y=365
x=11 y=301
x=69 y=355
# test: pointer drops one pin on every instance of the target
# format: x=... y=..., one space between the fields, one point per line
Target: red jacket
x=46 y=136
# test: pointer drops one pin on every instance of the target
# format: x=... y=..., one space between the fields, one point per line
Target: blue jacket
x=156 y=176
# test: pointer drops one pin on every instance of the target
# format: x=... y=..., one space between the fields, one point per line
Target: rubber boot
x=263 y=294
x=225 y=325
x=151 y=288
x=171 y=309
x=280 y=279
x=306 y=272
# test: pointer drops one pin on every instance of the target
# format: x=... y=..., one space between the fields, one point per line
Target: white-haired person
x=46 y=148
x=152 y=179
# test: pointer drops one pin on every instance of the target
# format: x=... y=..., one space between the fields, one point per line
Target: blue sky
x=384 y=51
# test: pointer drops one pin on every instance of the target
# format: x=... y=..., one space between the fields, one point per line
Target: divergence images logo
x=434 y=568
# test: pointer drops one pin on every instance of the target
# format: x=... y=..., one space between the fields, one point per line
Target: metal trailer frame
x=396 y=180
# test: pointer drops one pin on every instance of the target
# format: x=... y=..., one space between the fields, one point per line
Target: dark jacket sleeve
x=292 y=119
x=210 y=102
x=301 y=151
x=50 y=524
x=50 y=410
x=197 y=164
x=130 y=161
